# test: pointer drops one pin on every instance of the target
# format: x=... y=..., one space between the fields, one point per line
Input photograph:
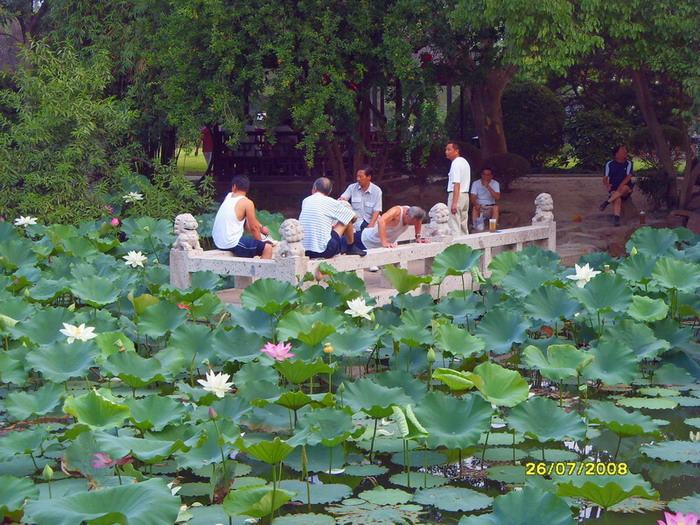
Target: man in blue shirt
x=617 y=179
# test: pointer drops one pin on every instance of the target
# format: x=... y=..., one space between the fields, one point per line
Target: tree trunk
x=362 y=132
x=486 y=110
x=335 y=159
x=640 y=82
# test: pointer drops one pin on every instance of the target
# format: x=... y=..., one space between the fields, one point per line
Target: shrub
x=533 y=121
x=642 y=145
x=653 y=183
x=592 y=134
x=507 y=168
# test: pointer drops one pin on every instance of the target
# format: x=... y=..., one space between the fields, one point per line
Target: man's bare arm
x=252 y=225
x=373 y=219
x=455 y=197
x=382 y=223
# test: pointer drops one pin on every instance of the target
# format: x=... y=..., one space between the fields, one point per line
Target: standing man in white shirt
x=458 y=190
x=365 y=198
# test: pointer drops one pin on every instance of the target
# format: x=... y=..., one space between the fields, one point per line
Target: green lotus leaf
x=13 y=492
x=142 y=302
x=373 y=399
x=43 y=326
x=541 y=419
x=500 y=386
x=271 y=452
x=146 y=503
x=312 y=328
x=605 y=490
x=670 y=374
x=95 y=291
x=502 y=264
x=685 y=505
x=421 y=480
x=48 y=289
x=113 y=342
x=412 y=386
x=411 y=334
x=326 y=493
x=318 y=458
x=646 y=309
x=657 y=391
x=207 y=448
x=306 y=519
x=15 y=308
x=255 y=371
x=677 y=275
x=678 y=451
x=194 y=339
x=354 y=342
x=355 y=511
x=423 y=458
x=346 y=284
x=613 y=363
x=159 y=319
x=653 y=242
x=256 y=501
x=454 y=379
x=365 y=470
x=453 y=499
x=550 y=304
x=401 y=280
x=297 y=371
x=605 y=292
x=21 y=405
x=238 y=344
x=148 y=450
x=62 y=361
x=381 y=496
x=525 y=507
x=327 y=426
x=154 y=412
x=17 y=253
x=11 y=370
x=652 y=403
x=290 y=400
x=511 y=474
x=409 y=426
x=621 y=422
x=637 y=268
x=80 y=247
x=134 y=370
x=22 y=442
x=318 y=294
x=457 y=341
x=499 y=329
x=269 y=295
x=456 y=260
x=562 y=361
x=523 y=280
x=451 y=422
x=95 y=410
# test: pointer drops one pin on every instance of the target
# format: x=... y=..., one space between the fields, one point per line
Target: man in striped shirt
x=324 y=221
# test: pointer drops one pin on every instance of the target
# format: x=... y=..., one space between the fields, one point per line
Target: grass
x=188 y=163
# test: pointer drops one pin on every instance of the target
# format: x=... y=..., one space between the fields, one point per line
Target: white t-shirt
x=227 y=229
x=370 y=236
x=460 y=172
x=483 y=196
x=364 y=203
x=319 y=213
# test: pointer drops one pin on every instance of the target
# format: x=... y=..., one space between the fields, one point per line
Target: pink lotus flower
x=114 y=221
x=183 y=306
x=280 y=351
x=104 y=461
x=679 y=519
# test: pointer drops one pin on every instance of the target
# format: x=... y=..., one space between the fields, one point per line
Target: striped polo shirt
x=319 y=213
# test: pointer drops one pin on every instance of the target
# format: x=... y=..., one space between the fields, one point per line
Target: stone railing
x=291 y=265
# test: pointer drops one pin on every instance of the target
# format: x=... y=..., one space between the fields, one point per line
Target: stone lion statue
x=186 y=230
x=291 y=234
x=439 y=215
x=544 y=204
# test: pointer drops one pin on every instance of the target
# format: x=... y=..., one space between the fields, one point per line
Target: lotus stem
x=619 y=441
x=407 y=458
x=459 y=458
x=223 y=456
x=330 y=460
x=305 y=473
x=371 y=447
x=561 y=393
x=34 y=461
x=483 y=452
x=116 y=470
x=543 y=452
x=513 y=447
x=274 y=492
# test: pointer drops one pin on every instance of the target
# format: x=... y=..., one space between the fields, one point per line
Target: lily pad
x=685 y=505
x=96 y=410
x=453 y=499
x=679 y=451
x=420 y=480
x=542 y=419
x=525 y=507
x=621 y=422
x=13 y=492
x=562 y=361
x=21 y=405
x=646 y=309
x=381 y=496
x=402 y=280
x=268 y=295
x=306 y=519
x=613 y=363
x=605 y=490
x=652 y=403
x=326 y=493
x=500 y=386
x=499 y=329
x=457 y=341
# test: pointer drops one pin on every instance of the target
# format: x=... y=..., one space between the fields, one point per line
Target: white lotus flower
x=358 y=308
x=583 y=274
x=135 y=259
x=81 y=333
x=133 y=196
x=216 y=383
x=25 y=221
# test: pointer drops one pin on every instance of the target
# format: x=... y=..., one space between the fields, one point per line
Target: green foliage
x=533 y=121
x=592 y=134
x=507 y=168
x=642 y=145
x=653 y=184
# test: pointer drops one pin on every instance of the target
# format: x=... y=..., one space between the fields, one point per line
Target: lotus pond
x=542 y=394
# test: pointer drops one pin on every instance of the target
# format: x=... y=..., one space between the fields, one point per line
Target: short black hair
x=455 y=145
x=242 y=182
x=323 y=185
x=369 y=170
x=490 y=168
x=615 y=149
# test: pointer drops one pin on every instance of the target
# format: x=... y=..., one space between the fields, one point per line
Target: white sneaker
x=373 y=269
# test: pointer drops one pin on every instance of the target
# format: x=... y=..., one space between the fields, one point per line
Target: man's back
x=319 y=213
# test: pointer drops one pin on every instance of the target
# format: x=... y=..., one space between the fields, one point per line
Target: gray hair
x=414 y=212
x=323 y=185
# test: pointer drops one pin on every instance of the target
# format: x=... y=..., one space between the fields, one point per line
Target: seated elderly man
x=391 y=225
x=324 y=220
x=484 y=194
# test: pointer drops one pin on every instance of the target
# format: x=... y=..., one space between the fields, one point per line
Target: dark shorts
x=248 y=247
x=631 y=186
x=333 y=248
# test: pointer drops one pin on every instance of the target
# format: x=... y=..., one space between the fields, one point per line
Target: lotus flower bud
x=48 y=473
x=431 y=355
x=212 y=413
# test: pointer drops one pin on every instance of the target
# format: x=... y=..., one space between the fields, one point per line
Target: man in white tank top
x=391 y=225
x=236 y=215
